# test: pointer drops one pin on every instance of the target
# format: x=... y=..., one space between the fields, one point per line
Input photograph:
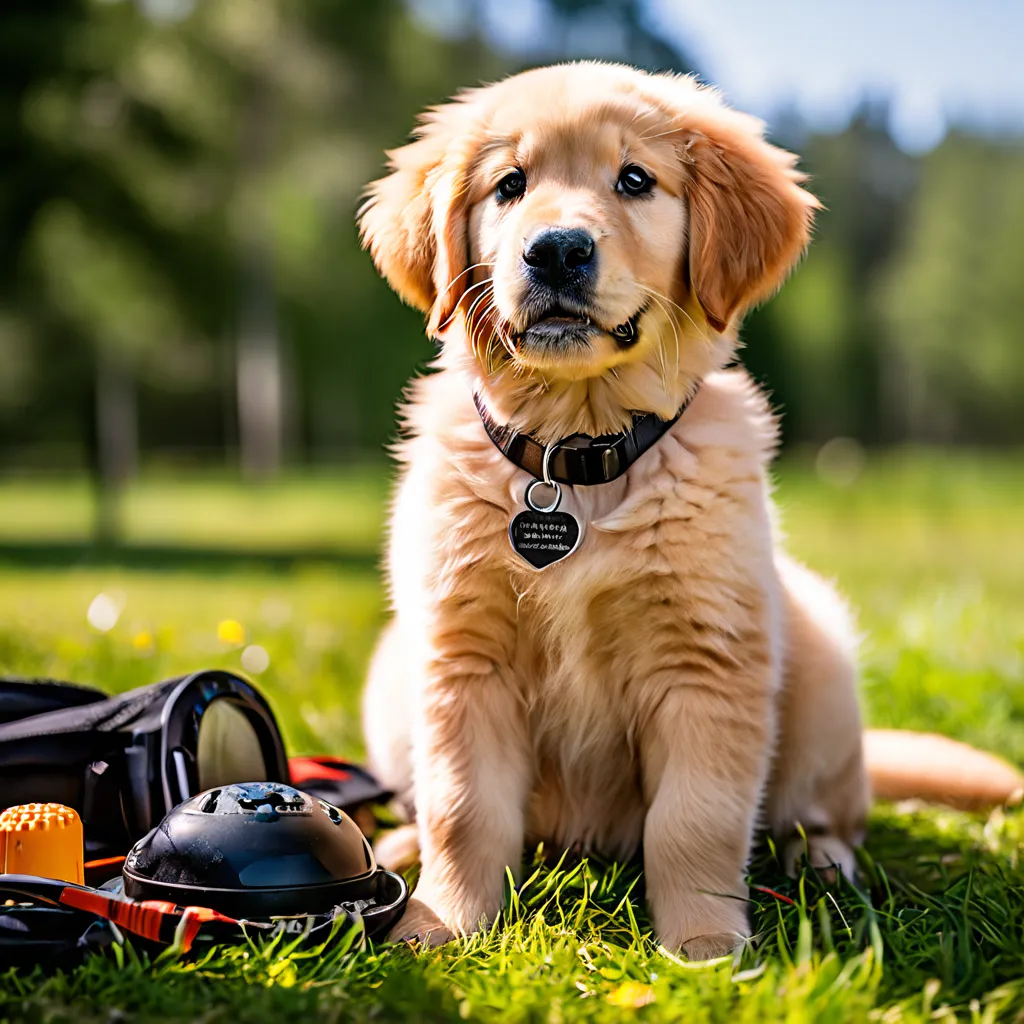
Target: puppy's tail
x=904 y=765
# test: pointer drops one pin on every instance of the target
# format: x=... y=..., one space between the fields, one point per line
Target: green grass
x=311 y=512
x=930 y=550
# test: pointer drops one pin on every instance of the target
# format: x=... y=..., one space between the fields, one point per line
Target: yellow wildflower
x=231 y=632
x=631 y=993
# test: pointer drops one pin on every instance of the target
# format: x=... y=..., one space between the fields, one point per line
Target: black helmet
x=263 y=849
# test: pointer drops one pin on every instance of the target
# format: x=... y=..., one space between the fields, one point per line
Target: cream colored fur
x=678 y=682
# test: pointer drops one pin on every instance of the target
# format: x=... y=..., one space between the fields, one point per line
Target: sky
x=937 y=61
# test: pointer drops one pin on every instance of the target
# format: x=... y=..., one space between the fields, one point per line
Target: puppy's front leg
x=704 y=754
x=471 y=777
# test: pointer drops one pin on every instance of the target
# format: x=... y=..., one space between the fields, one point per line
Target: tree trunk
x=258 y=372
x=117 y=443
x=259 y=376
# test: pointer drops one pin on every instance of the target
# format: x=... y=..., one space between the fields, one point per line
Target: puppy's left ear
x=750 y=220
x=413 y=220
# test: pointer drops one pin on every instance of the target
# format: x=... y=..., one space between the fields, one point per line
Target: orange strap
x=104 y=862
x=146 y=918
x=142 y=919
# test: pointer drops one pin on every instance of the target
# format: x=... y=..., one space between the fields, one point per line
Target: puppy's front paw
x=710 y=947
x=421 y=925
x=706 y=930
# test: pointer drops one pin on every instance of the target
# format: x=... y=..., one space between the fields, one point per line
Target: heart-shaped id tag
x=541 y=535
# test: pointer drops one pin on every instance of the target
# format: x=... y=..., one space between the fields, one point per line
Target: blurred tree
x=112 y=263
x=352 y=344
x=820 y=344
x=951 y=297
x=614 y=30
x=176 y=178
x=179 y=267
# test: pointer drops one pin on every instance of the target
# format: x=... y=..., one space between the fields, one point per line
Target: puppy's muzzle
x=562 y=259
x=561 y=265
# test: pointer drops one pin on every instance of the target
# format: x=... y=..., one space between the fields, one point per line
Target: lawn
x=930 y=550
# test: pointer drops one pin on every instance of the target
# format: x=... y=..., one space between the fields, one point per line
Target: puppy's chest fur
x=581 y=719
x=600 y=638
x=677 y=552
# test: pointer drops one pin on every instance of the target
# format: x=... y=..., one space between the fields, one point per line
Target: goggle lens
x=228 y=749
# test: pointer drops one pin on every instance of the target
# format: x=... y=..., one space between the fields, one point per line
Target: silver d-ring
x=545 y=466
x=554 y=485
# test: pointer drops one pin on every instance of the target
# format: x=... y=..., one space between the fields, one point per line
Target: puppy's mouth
x=559 y=326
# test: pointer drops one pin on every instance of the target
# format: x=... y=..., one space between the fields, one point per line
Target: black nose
x=556 y=256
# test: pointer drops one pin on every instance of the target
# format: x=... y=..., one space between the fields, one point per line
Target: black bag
x=123 y=762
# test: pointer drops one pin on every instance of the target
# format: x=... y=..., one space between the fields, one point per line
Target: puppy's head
x=587 y=235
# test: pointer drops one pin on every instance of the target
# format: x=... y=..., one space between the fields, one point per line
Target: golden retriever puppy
x=584 y=240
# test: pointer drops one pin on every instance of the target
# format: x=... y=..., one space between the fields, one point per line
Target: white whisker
x=658 y=298
x=473 y=337
x=492 y=314
x=451 y=284
x=469 y=290
x=671 y=302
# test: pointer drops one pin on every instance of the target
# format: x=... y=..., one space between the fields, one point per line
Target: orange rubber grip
x=42 y=839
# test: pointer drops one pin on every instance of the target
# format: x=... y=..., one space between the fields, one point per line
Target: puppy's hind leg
x=818 y=785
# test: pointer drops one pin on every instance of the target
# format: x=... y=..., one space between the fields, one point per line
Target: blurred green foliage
x=160 y=157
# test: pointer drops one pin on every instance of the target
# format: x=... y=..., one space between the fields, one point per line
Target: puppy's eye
x=634 y=181
x=512 y=186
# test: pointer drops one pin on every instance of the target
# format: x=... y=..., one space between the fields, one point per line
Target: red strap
x=194 y=918
x=776 y=895
x=302 y=769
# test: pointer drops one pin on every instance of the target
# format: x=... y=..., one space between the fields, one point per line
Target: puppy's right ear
x=413 y=221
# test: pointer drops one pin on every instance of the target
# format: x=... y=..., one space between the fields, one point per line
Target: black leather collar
x=580 y=459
